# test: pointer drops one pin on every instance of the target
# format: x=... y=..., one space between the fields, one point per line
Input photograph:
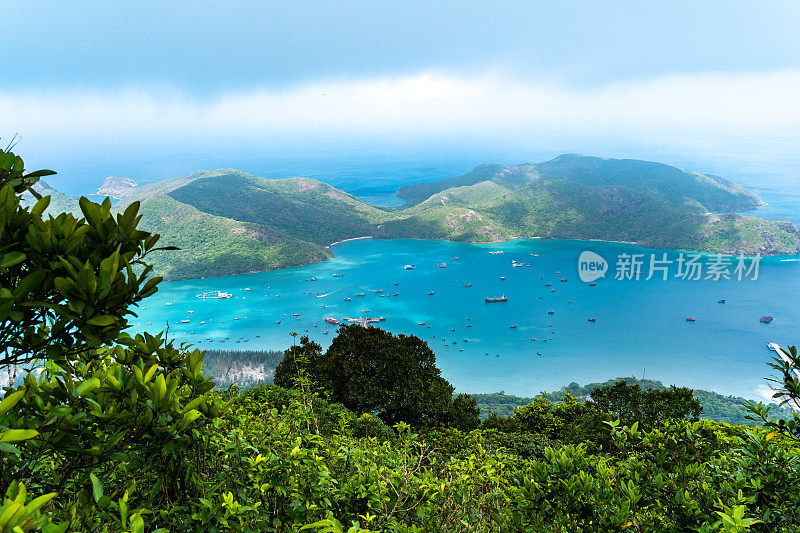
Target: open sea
x=640 y=326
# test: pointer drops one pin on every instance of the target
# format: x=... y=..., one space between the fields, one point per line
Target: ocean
x=640 y=326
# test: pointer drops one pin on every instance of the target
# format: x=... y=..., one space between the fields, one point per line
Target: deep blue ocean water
x=640 y=326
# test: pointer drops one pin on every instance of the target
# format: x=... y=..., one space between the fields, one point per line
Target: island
x=229 y=222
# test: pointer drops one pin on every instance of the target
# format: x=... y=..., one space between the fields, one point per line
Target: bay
x=640 y=325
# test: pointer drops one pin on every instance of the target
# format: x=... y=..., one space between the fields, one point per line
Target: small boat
x=593 y=284
x=409 y=267
x=502 y=278
x=548 y=284
x=347 y=299
x=513 y=326
x=468 y=284
x=690 y=319
x=185 y=321
x=496 y=299
x=277 y=321
x=202 y=322
x=721 y=301
x=237 y=318
x=325 y=332
x=498 y=252
x=766 y=319
x=469 y=325
x=168 y=303
x=359 y=294
x=591 y=319
x=452 y=329
x=218 y=295
x=533 y=338
x=191 y=312
x=248 y=289
x=430 y=293
x=365 y=310
x=377 y=291
x=331 y=320
x=455 y=258
x=422 y=323
x=338 y=275
x=551 y=312
x=396 y=284
x=293 y=314
x=396 y=294
x=563 y=280
x=441 y=265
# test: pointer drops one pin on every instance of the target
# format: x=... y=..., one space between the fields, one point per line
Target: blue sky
x=114 y=78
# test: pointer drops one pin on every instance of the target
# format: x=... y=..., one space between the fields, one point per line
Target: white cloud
x=423 y=107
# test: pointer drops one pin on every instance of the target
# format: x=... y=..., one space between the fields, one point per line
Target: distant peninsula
x=229 y=222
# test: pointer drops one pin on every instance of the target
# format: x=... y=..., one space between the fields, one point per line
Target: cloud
x=427 y=106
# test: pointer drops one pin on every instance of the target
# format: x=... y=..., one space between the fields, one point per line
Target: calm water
x=640 y=326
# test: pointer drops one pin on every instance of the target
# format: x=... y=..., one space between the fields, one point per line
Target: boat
x=237 y=318
x=495 y=299
x=248 y=289
x=690 y=319
x=430 y=293
x=766 y=319
x=377 y=291
x=548 y=284
x=502 y=278
x=593 y=284
x=295 y=314
x=325 y=332
x=219 y=295
x=202 y=322
x=455 y=258
x=468 y=284
x=396 y=294
x=563 y=280
x=168 y=303
x=498 y=252
x=338 y=275
x=191 y=312
x=396 y=283
x=592 y=319
x=409 y=267
x=551 y=312
x=721 y=301
x=513 y=326
x=277 y=321
x=347 y=299
x=422 y=323
x=185 y=321
x=330 y=320
x=359 y=294
x=365 y=310
x=441 y=265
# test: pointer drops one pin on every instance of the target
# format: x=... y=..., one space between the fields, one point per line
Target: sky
x=114 y=82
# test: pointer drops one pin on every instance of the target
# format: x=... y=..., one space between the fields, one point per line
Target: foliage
x=631 y=404
x=718 y=407
x=787 y=392
x=370 y=370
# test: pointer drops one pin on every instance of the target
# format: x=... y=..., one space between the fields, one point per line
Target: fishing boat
x=214 y=295
x=496 y=299
x=766 y=319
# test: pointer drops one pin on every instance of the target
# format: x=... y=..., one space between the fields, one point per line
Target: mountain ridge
x=228 y=222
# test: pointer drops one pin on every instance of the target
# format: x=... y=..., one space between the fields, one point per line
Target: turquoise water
x=640 y=326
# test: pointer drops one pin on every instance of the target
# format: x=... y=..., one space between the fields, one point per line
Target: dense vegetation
x=229 y=222
x=715 y=406
x=103 y=432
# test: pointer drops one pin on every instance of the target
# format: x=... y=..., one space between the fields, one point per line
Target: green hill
x=230 y=222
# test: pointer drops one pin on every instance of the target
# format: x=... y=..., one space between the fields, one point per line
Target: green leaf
x=97 y=487
x=102 y=320
x=11 y=400
x=11 y=259
x=17 y=435
x=87 y=386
